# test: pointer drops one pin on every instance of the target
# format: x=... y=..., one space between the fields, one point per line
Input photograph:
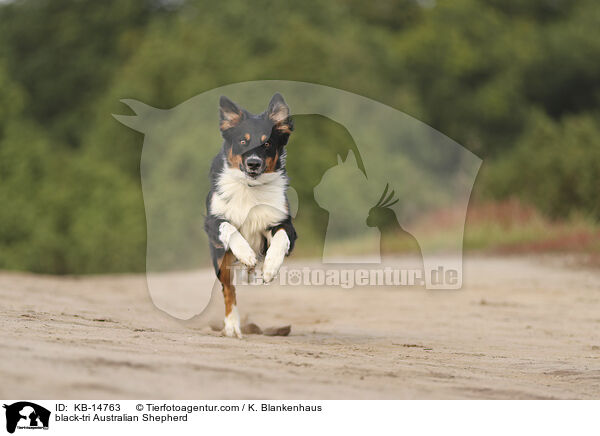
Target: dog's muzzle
x=254 y=166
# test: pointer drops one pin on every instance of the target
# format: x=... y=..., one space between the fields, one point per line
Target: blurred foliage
x=517 y=82
x=555 y=166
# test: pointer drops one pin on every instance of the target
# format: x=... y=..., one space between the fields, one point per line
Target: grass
x=513 y=227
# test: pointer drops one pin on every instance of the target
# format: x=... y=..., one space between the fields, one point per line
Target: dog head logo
x=26 y=415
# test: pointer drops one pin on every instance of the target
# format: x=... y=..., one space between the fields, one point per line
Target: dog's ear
x=279 y=113
x=230 y=114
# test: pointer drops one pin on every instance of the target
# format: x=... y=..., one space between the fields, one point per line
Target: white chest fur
x=252 y=206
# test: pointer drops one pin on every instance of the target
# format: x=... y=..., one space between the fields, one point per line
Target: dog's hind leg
x=232 y=317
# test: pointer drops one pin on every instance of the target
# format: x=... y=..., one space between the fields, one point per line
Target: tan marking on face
x=263 y=138
x=270 y=163
x=247 y=136
x=235 y=160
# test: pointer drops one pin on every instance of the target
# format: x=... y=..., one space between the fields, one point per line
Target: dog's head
x=254 y=143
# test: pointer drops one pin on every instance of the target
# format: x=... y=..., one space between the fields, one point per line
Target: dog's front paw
x=270 y=270
x=232 y=325
x=233 y=239
x=244 y=253
x=242 y=250
x=280 y=244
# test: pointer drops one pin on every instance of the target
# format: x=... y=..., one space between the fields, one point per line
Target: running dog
x=248 y=216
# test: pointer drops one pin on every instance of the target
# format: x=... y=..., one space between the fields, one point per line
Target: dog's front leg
x=233 y=240
x=280 y=246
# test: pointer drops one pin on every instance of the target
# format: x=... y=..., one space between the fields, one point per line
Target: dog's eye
x=267 y=144
x=243 y=142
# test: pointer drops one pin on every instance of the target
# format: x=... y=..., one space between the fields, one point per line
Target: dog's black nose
x=253 y=163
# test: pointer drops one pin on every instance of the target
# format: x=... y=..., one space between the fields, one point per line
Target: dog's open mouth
x=253 y=174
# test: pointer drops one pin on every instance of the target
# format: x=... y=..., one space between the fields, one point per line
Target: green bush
x=555 y=166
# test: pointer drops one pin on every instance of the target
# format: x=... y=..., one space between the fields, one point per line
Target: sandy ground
x=522 y=327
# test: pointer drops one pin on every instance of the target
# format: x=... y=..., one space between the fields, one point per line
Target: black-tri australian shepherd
x=248 y=215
